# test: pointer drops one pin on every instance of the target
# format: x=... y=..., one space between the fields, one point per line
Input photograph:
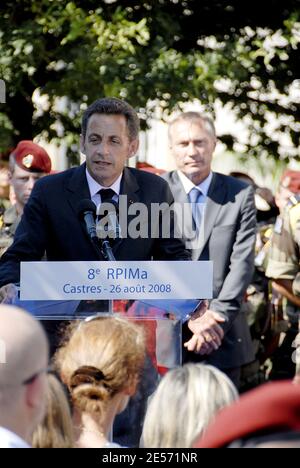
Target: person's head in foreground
x=183 y=405
x=268 y=416
x=56 y=429
x=100 y=363
x=23 y=382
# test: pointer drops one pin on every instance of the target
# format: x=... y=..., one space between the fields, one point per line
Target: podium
x=159 y=296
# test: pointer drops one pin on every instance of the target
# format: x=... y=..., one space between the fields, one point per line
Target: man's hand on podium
x=207 y=333
x=8 y=294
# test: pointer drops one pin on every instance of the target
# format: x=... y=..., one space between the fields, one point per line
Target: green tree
x=154 y=54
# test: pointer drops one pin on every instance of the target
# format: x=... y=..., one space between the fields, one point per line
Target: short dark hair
x=113 y=106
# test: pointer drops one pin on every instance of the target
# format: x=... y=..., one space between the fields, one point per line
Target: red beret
x=273 y=407
x=291 y=180
x=32 y=157
x=149 y=168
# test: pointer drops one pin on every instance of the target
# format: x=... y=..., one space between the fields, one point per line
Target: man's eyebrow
x=99 y=136
x=182 y=140
x=185 y=140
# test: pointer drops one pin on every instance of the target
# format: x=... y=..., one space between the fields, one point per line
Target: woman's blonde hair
x=99 y=359
x=183 y=405
x=56 y=430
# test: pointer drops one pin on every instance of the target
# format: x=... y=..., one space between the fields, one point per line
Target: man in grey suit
x=227 y=236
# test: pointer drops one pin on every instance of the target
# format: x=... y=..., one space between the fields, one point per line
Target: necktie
x=106 y=195
x=195 y=199
x=111 y=228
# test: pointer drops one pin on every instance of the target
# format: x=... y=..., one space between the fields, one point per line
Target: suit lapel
x=181 y=198
x=177 y=188
x=129 y=188
x=77 y=188
x=215 y=198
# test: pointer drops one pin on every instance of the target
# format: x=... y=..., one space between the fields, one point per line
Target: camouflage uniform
x=256 y=308
x=4 y=204
x=284 y=257
x=257 y=291
x=8 y=225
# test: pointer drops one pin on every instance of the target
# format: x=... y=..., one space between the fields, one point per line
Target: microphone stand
x=107 y=251
x=108 y=255
x=105 y=244
x=87 y=211
x=98 y=249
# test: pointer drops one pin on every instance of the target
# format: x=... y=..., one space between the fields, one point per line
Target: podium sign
x=116 y=280
x=158 y=295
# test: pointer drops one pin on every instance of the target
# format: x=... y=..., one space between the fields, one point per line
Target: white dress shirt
x=94 y=188
x=198 y=210
x=203 y=186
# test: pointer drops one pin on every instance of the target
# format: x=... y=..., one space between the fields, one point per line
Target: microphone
x=108 y=226
x=87 y=211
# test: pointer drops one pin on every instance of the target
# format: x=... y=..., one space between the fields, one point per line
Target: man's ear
x=34 y=393
x=133 y=147
x=82 y=144
x=10 y=176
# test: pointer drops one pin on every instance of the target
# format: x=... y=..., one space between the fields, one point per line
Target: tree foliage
x=154 y=54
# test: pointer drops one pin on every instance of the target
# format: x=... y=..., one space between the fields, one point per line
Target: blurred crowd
x=74 y=402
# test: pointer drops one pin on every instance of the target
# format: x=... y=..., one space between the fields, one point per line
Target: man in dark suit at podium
x=51 y=222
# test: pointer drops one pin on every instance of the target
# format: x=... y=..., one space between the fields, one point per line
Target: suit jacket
x=51 y=224
x=228 y=240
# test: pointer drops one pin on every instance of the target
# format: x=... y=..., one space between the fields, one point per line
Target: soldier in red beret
x=283 y=267
x=28 y=162
x=289 y=185
x=268 y=416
